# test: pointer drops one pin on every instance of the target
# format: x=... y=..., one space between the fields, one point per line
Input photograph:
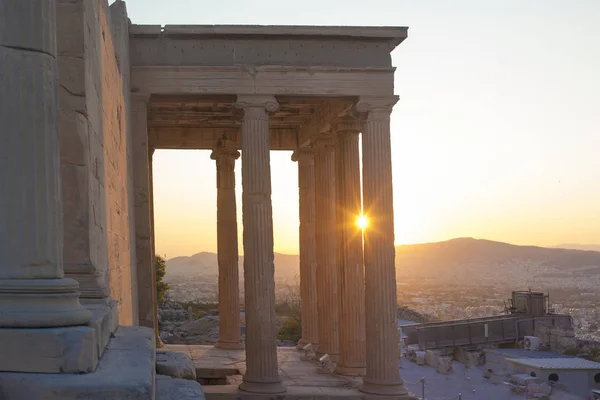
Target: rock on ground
x=168 y=388
x=176 y=365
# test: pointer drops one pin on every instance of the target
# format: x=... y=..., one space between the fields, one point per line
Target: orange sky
x=496 y=134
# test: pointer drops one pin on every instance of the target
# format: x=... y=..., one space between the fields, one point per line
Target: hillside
x=205 y=264
x=425 y=256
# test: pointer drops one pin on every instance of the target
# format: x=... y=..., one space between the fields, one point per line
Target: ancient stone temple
x=85 y=99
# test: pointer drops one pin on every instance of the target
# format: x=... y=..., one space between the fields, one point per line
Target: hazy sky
x=496 y=135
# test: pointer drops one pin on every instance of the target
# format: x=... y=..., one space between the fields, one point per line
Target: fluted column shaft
x=383 y=371
x=308 y=247
x=351 y=270
x=33 y=291
x=262 y=374
x=326 y=230
x=227 y=248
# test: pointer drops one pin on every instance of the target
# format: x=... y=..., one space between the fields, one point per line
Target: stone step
x=168 y=388
x=125 y=372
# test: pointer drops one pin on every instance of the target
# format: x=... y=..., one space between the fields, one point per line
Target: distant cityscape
x=448 y=280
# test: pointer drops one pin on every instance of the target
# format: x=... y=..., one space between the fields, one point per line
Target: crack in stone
x=27 y=49
x=72 y=93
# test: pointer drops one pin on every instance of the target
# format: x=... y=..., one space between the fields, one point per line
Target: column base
x=271 y=387
x=229 y=345
x=73 y=349
x=395 y=389
x=125 y=371
x=350 y=371
x=41 y=303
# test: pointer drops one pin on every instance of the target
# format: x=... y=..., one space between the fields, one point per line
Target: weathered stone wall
x=82 y=162
x=94 y=156
x=112 y=124
x=120 y=31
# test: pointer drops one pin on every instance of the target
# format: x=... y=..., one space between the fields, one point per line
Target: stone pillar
x=326 y=230
x=351 y=270
x=82 y=163
x=33 y=290
x=383 y=368
x=159 y=342
x=308 y=247
x=262 y=374
x=144 y=247
x=227 y=248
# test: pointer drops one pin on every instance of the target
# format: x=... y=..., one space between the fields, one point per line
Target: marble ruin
x=85 y=99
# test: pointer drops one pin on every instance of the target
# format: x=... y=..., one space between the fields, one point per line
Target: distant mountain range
x=206 y=264
x=478 y=251
x=575 y=246
x=461 y=251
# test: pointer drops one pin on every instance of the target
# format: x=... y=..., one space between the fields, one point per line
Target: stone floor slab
x=303 y=380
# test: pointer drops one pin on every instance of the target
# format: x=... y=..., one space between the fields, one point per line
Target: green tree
x=161 y=287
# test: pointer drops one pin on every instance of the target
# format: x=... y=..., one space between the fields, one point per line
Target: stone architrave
x=144 y=246
x=383 y=368
x=227 y=248
x=33 y=290
x=262 y=375
x=327 y=251
x=350 y=242
x=308 y=247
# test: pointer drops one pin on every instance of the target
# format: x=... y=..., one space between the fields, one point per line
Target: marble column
x=227 y=248
x=308 y=247
x=383 y=368
x=144 y=247
x=33 y=290
x=327 y=268
x=262 y=375
x=351 y=270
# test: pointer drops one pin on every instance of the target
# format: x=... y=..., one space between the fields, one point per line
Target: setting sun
x=362 y=221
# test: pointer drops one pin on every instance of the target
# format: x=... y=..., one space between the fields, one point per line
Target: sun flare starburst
x=362 y=221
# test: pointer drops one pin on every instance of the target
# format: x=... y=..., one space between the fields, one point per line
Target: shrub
x=289 y=307
x=290 y=330
x=162 y=288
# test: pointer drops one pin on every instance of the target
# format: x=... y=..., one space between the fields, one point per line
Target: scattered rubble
x=179 y=325
x=175 y=365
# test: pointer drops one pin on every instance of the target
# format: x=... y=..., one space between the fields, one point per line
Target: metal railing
x=479 y=331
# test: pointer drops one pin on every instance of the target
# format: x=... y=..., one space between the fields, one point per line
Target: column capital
x=303 y=153
x=325 y=141
x=267 y=102
x=376 y=107
x=342 y=126
x=224 y=148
